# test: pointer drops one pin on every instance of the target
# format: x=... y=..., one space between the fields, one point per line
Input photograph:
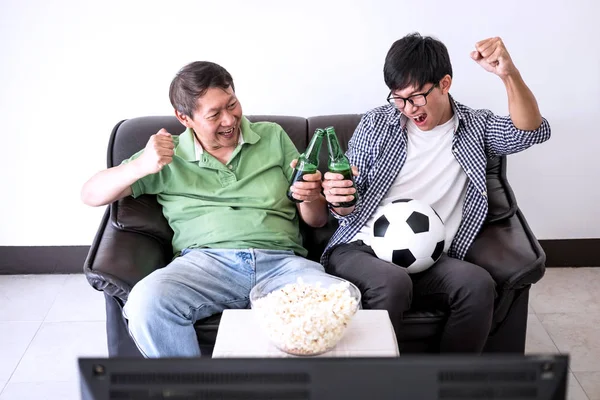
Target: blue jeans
x=163 y=307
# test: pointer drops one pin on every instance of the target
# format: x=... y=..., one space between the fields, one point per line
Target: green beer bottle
x=308 y=162
x=339 y=163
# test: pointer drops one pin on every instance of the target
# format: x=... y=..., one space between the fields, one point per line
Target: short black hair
x=192 y=82
x=415 y=61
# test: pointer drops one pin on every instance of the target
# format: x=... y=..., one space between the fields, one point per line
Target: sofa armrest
x=118 y=259
x=501 y=199
x=141 y=215
x=509 y=251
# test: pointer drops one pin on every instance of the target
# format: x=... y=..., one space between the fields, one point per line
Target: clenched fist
x=493 y=57
x=158 y=152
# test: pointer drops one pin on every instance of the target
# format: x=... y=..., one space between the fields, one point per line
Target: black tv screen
x=447 y=377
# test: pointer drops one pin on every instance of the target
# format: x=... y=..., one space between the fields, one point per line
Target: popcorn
x=305 y=319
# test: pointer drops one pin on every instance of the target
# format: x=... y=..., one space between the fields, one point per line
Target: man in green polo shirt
x=222 y=184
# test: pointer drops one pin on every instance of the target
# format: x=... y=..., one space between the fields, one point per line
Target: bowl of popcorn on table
x=304 y=315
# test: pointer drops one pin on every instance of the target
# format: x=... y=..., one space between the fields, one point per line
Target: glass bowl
x=304 y=314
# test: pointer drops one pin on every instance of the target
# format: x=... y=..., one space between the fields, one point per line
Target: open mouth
x=420 y=119
x=228 y=134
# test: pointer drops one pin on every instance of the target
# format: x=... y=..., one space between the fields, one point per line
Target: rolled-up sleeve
x=502 y=137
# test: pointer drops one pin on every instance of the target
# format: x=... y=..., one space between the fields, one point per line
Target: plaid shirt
x=378 y=149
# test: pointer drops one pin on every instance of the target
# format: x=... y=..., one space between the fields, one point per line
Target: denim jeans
x=163 y=307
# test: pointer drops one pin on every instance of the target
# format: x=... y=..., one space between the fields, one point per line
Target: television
x=414 y=377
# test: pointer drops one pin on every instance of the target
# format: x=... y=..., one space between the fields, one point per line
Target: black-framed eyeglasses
x=417 y=100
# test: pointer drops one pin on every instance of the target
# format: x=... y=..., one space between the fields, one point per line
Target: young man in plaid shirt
x=425 y=145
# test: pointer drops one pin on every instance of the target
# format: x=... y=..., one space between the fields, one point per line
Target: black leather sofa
x=134 y=239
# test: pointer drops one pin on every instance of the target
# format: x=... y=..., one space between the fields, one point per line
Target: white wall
x=71 y=69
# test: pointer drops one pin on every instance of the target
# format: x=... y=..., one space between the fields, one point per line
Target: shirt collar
x=199 y=150
x=189 y=149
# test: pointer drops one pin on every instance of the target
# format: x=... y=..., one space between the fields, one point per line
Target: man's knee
x=382 y=284
x=478 y=288
x=301 y=264
x=294 y=266
x=396 y=281
x=145 y=300
x=394 y=288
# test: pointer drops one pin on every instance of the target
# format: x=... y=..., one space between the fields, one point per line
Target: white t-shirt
x=430 y=174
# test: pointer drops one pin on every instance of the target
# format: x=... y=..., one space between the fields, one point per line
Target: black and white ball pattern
x=410 y=234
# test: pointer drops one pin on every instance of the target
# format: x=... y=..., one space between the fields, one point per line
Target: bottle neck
x=335 y=150
x=314 y=147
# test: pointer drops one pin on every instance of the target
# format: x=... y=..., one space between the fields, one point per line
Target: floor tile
x=53 y=353
x=577 y=335
x=564 y=314
x=15 y=336
x=41 y=391
x=28 y=297
x=538 y=340
x=77 y=301
x=567 y=290
x=590 y=382
x=574 y=389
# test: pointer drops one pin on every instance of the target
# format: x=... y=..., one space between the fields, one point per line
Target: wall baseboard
x=42 y=259
x=70 y=259
x=572 y=252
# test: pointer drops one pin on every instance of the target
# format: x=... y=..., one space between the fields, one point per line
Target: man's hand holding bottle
x=339 y=191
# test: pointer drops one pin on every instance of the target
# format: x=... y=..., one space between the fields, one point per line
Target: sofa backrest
x=144 y=214
x=130 y=136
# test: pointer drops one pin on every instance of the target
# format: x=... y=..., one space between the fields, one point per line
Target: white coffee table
x=370 y=334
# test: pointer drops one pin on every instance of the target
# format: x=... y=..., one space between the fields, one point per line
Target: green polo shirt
x=239 y=205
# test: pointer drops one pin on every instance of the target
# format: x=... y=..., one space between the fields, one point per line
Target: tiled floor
x=46 y=322
x=564 y=316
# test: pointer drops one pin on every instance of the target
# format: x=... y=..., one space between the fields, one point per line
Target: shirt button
x=468 y=172
x=343 y=223
x=484 y=193
x=230 y=166
x=455 y=151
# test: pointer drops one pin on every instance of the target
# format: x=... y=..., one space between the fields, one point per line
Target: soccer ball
x=408 y=233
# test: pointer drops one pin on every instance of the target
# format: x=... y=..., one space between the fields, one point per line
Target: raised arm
x=115 y=183
x=492 y=55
